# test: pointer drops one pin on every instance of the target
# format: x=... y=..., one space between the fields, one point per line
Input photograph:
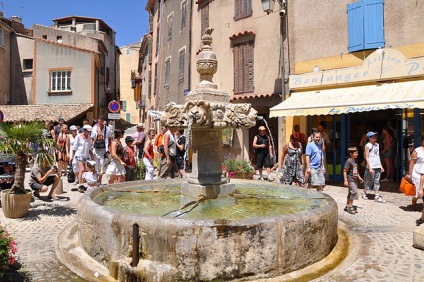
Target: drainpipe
x=159 y=55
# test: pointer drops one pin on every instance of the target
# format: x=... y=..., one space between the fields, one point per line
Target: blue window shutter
x=374 y=23
x=355 y=20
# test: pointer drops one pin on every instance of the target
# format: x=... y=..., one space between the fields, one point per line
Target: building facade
x=367 y=72
x=75 y=61
x=5 y=34
x=247 y=44
x=130 y=86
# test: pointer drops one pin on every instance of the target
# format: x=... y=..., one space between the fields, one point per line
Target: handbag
x=407 y=187
x=100 y=144
x=71 y=175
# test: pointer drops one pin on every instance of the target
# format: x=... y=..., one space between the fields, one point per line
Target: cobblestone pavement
x=385 y=252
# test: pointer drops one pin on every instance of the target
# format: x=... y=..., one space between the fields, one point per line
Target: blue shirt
x=314 y=152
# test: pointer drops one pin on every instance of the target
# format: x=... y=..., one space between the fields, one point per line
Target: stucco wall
x=5 y=67
x=267 y=76
x=22 y=47
x=51 y=56
x=174 y=92
x=128 y=62
x=319 y=29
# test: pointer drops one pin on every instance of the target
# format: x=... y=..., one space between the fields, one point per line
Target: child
x=351 y=178
x=90 y=176
x=374 y=169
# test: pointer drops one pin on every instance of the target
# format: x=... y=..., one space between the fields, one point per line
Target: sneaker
x=265 y=178
x=75 y=182
x=260 y=177
x=419 y=221
x=345 y=209
x=271 y=179
x=364 y=196
x=379 y=200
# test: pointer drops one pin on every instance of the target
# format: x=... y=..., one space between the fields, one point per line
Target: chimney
x=16 y=19
x=1 y=14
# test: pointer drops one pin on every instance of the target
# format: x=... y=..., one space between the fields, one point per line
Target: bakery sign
x=383 y=64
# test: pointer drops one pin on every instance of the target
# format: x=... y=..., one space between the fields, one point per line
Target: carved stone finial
x=206 y=63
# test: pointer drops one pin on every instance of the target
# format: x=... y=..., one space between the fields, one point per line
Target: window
x=204 y=18
x=124 y=105
x=59 y=39
x=128 y=51
x=183 y=14
x=181 y=59
x=156 y=79
x=365 y=25
x=167 y=71
x=169 y=20
x=243 y=67
x=242 y=9
x=27 y=64
x=149 y=87
x=1 y=37
x=157 y=40
x=60 y=81
x=44 y=36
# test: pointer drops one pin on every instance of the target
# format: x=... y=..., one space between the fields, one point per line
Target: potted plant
x=16 y=139
x=236 y=169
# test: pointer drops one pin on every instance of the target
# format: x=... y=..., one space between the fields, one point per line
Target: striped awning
x=337 y=101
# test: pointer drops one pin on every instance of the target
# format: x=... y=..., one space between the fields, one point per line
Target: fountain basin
x=184 y=248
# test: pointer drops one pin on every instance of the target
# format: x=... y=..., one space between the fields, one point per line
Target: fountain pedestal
x=206 y=176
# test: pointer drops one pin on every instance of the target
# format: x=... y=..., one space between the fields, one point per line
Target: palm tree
x=15 y=141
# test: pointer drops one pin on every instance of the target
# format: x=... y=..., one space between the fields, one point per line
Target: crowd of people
x=303 y=163
x=91 y=151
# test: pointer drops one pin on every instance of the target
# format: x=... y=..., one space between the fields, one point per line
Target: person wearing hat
x=69 y=145
x=140 y=139
x=373 y=168
x=82 y=150
x=129 y=159
x=101 y=138
x=263 y=149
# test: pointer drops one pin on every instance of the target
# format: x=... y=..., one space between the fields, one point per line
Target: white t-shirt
x=374 y=155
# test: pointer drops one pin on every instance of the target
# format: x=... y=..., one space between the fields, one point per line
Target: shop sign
x=383 y=64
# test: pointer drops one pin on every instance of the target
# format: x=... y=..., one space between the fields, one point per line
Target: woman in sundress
x=292 y=162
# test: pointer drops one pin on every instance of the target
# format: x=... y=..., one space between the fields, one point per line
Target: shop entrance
x=348 y=130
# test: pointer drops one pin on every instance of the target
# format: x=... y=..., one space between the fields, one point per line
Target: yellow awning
x=399 y=95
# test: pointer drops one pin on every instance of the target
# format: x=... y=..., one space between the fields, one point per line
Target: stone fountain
x=203 y=229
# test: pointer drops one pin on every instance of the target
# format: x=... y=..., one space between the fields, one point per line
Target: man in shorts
x=315 y=162
x=42 y=176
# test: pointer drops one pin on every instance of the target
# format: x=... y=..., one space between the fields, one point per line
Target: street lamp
x=268 y=6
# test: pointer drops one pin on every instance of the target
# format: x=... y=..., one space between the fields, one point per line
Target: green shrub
x=7 y=250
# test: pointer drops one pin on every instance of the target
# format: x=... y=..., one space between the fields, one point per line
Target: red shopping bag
x=407 y=187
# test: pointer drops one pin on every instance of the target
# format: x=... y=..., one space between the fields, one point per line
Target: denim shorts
x=317 y=177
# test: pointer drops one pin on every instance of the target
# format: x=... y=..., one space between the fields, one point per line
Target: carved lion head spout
x=201 y=113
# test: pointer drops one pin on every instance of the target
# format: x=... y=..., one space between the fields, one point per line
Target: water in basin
x=249 y=201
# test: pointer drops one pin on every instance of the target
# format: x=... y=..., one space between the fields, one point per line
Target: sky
x=129 y=19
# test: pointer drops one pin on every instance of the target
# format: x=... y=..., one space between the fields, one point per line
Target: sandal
x=37 y=194
x=419 y=221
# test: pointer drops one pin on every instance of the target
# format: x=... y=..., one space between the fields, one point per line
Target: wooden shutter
x=248 y=67
x=374 y=24
x=355 y=18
